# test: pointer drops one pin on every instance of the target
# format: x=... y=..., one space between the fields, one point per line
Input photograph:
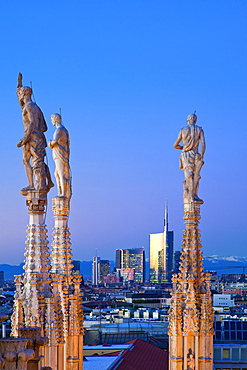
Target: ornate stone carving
x=36 y=201
x=191 y=314
x=48 y=300
x=191 y=160
x=33 y=142
x=15 y=353
x=190 y=360
x=60 y=146
x=66 y=286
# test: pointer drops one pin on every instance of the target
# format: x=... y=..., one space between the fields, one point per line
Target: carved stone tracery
x=191 y=313
x=47 y=294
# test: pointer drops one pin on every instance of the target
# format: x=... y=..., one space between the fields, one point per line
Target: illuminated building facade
x=100 y=269
x=95 y=271
x=161 y=254
x=126 y=274
x=104 y=269
x=133 y=258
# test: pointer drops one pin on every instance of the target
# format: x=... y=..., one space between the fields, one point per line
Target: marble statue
x=191 y=159
x=33 y=142
x=191 y=360
x=60 y=152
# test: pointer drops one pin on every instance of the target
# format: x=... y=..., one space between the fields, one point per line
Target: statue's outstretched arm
x=19 y=83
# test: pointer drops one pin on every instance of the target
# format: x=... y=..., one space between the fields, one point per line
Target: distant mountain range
x=220 y=264
x=226 y=265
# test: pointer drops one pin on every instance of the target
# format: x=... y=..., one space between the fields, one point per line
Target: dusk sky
x=126 y=74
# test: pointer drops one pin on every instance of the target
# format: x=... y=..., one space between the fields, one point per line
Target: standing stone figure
x=191 y=360
x=33 y=142
x=191 y=160
x=60 y=152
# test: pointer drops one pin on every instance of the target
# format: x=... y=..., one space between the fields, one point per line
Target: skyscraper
x=161 y=254
x=95 y=271
x=133 y=258
x=104 y=269
x=100 y=269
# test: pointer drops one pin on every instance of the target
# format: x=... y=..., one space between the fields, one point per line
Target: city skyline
x=125 y=77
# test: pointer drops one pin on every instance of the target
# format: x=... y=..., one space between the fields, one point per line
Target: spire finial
x=166 y=214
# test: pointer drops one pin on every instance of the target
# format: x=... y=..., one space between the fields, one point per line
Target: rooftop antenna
x=166 y=216
x=31 y=84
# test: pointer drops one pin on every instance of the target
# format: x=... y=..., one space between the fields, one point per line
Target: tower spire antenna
x=166 y=214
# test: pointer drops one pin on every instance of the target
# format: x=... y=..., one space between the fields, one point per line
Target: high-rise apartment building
x=161 y=254
x=95 y=271
x=100 y=269
x=104 y=269
x=133 y=258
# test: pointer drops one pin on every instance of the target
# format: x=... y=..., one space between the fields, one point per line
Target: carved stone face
x=55 y=118
x=24 y=91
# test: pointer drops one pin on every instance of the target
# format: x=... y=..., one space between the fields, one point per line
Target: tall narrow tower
x=191 y=313
x=168 y=247
x=95 y=270
x=161 y=253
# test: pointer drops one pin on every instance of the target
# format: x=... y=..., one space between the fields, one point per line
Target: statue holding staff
x=33 y=142
x=60 y=146
x=191 y=159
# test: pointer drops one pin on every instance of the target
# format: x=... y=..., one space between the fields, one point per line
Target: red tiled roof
x=143 y=356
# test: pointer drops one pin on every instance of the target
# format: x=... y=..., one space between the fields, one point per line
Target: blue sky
x=126 y=74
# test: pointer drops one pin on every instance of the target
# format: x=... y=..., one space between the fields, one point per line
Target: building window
x=227 y=335
x=233 y=335
x=235 y=354
x=217 y=354
x=243 y=354
x=226 y=354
